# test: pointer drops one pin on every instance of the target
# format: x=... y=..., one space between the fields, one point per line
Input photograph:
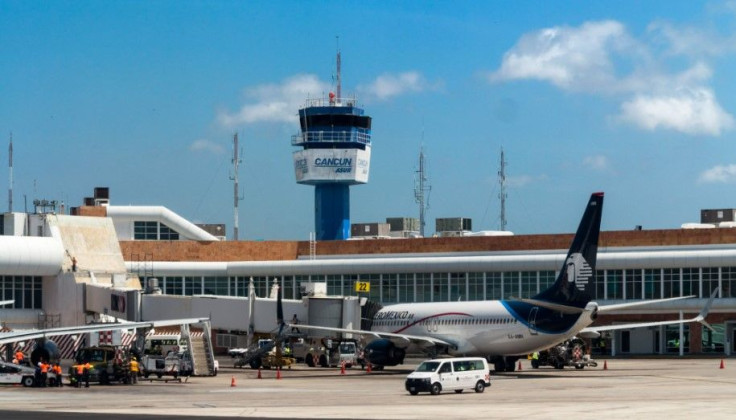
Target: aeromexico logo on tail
x=578 y=271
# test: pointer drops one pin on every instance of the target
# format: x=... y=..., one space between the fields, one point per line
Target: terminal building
x=98 y=262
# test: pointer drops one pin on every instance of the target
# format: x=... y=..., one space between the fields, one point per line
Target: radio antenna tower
x=339 y=71
x=421 y=190
x=10 y=179
x=502 y=195
x=236 y=197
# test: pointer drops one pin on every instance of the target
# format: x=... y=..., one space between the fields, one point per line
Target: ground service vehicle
x=264 y=355
x=12 y=374
x=333 y=353
x=569 y=353
x=457 y=374
x=173 y=364
x=109 y=364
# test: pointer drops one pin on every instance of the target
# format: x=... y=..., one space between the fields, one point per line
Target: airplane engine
x=45 y=349
x=383 y=352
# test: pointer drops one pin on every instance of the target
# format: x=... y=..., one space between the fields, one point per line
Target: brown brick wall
x=289 y=250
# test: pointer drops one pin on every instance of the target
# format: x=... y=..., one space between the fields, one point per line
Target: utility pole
x=421 y=191
x=502 y=195
x=236 y=197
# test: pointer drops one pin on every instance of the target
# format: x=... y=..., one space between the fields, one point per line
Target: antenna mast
x=339 y=72
x=421 y=190
x=236 y=163
x=10 y=179
x=502 y=195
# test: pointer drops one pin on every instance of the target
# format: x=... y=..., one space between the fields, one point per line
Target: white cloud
x=602 y=58
x=597 y=162
x=691 y=111
x=389 y=85
x=570 y=58
x=275 y=102
x=720 y=173
x=203 y=145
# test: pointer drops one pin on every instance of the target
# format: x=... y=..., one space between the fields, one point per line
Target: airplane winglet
x=704 y=313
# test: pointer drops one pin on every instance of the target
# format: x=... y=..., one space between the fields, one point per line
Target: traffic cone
x=232 y=382
x=368 y=368
x=519 y=364
x=605 y=365
x=342 y=368
x=259 y=373
x=278 y=372
x=723 y=364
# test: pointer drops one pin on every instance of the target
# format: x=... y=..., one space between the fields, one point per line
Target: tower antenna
x=236 y=197
x=339 y=72
x=10 y=179
x=502 y=195
x=421 y=190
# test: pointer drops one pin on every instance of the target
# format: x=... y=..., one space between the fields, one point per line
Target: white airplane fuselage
x=478 y=328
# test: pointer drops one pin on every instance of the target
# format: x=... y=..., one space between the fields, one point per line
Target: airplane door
x=432 y=325
x=533 y=320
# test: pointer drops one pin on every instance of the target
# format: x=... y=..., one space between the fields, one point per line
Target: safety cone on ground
x=278 y=372
x=342 y=368
x=519 y=364
x=259 y=373
x=605 y=365
x=368 y=368
x=723 y=364
x=232 y=382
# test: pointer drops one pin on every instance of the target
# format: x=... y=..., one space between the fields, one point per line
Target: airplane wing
x=593 y=332
x=401 y=340
x=619 y=306
x=13 y=337
x=6 y=302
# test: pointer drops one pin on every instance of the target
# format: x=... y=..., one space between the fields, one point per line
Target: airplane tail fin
x=575 y=285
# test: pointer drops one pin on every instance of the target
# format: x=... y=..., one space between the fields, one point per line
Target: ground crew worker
x=87 y=368
x=44 y=373
x=79 y=370
x=19 y=357
x=133 y=371
x=57 y=371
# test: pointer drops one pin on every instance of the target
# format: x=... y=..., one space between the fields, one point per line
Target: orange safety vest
x=80 y=369
x=57 y=369
x=19 y=356
x=44 y=368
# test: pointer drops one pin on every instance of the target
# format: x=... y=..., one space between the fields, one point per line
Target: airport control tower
x=335 y=139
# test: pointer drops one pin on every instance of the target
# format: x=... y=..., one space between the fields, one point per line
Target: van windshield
x=427 y=367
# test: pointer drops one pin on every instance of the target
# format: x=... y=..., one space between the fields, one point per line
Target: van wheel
x=479 y=387
x=435 y=389
x=323 y=361
x=414 y=392
x=28 y=381
x=310 y=360
x=458 y=391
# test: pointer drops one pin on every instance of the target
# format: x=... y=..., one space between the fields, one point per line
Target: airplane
x=504 y=330
x=6 y=302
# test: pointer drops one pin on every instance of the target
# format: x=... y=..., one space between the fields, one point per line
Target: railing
x=361 y=137
x=330 y=102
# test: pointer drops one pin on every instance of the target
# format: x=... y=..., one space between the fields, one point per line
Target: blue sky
x=631 y=98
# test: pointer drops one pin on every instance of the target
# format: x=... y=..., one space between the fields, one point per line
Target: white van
x=456 y=374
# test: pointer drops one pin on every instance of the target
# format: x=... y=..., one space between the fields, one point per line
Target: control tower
x=335 y=139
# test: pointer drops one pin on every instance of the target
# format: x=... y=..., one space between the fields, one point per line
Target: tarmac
x=671 y=388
